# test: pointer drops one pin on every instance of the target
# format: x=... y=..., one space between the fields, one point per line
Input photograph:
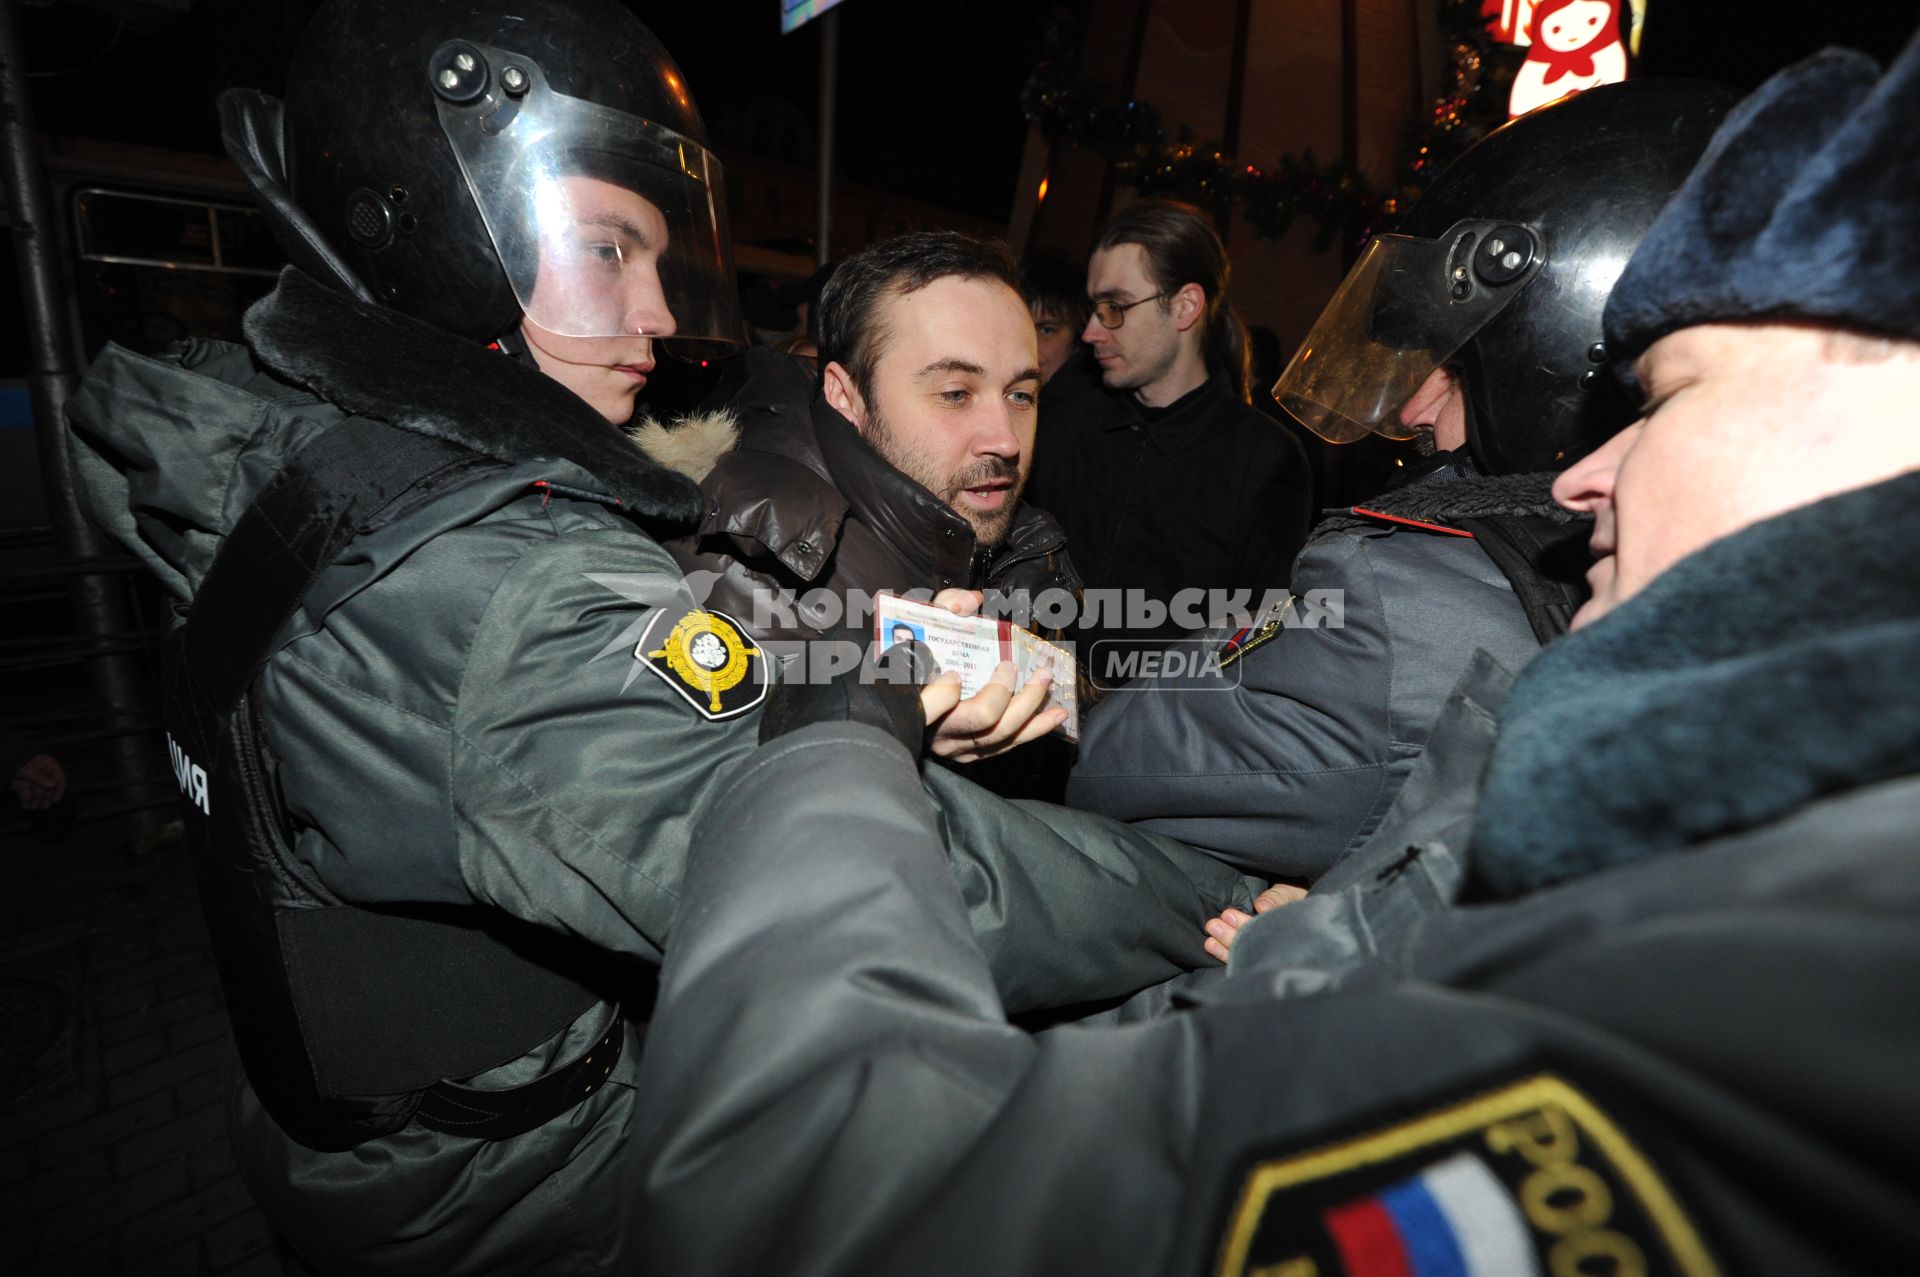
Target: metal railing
x=73 y=722
x=110 y=649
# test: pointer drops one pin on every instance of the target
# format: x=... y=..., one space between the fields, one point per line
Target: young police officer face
x=602 y=265
x=1744 y=421
x=952 y=396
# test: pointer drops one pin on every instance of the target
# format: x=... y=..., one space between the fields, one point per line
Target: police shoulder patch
x=705 y=657
x=1531 y=1179
x=1261 y=630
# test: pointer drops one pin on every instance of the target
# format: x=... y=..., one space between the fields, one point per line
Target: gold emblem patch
x=1534 y=1178
x=706 y=657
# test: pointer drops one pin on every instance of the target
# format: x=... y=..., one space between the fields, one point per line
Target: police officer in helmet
x=446 y=706
x=1476 y=329
x=447 y=714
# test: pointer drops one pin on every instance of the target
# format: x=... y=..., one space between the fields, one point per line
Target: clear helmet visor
x=606 y=224
x=1407 y=306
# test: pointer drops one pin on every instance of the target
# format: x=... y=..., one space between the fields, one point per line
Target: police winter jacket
x=450 y=729
x=803 y=504
x=465 y=715
x=1697 y=1061
x=1284 y=756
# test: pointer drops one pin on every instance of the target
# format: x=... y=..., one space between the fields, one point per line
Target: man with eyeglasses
x=1173 y=490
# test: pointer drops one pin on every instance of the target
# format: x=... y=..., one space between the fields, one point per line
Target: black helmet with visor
x=470 y=163
x=1501 y=272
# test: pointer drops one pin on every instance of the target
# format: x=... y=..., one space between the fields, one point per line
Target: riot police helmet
x=472 y=163
x=1500 y=273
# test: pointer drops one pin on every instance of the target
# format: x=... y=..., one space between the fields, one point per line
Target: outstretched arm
x=829 y=1048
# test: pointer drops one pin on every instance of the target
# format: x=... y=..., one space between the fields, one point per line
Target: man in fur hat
x=1668 y=1030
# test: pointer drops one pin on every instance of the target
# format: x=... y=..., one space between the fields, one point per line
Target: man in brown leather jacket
x=904 y=471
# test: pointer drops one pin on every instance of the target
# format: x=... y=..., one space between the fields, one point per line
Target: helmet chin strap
x=1456 y=464
x=513 y=344
x=1475 y=451
x=252 y=128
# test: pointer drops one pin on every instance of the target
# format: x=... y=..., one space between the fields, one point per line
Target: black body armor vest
x=348 y=1019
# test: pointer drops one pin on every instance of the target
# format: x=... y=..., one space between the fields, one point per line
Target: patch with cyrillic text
x=1532 y=1180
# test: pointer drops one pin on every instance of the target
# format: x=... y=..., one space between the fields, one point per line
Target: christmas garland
x=1341 y=201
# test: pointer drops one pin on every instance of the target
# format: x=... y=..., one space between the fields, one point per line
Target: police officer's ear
x=1189 y=305
x=836 y=383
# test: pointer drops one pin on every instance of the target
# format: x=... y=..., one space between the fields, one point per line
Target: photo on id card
x=974 y=646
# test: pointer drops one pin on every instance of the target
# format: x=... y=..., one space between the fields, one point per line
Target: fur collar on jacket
x=1767 y=670
x=693 y=446
x=379 y=363
x=1446 y=497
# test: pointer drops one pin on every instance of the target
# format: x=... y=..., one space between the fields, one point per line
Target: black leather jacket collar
x=931 y=539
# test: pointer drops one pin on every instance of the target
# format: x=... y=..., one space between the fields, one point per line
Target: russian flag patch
x=1532 y=1180
x=1455 y=1220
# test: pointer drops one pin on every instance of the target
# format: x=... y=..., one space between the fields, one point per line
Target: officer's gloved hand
x=883 y=692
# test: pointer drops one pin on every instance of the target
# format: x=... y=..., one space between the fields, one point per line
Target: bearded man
x=904 y=474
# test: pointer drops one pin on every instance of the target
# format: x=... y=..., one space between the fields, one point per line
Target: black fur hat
x=1803 y=207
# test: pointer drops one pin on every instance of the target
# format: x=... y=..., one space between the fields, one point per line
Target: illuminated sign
x=1509 y=21
x=1571 y=45
x=796 y=13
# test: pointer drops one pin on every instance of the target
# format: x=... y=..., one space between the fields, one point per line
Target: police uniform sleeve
x=1279 y=758
x=830 y=1043
x=1604 y=1078
x=585 y=739
x=1071 y=907
x=500 y=719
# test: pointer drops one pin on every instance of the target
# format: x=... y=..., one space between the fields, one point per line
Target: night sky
x=929 y=93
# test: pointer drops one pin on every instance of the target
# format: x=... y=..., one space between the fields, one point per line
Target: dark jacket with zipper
x=1204 y=494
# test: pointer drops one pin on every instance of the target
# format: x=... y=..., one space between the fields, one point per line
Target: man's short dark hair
x=852 y=333
x=1054 y=284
